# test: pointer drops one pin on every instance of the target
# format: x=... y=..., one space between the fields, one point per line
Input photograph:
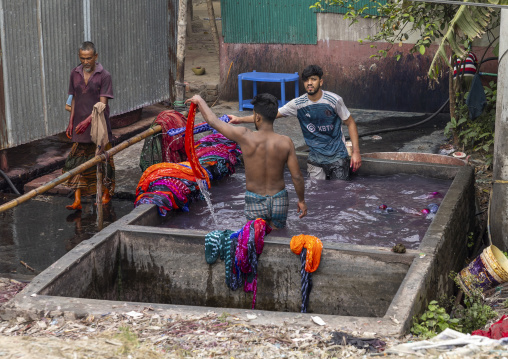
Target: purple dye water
x=374 y=210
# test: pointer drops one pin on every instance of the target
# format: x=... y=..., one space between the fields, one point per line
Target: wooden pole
x=98 y=198
x=213 y=25
x=94 y=161
x=180 y=53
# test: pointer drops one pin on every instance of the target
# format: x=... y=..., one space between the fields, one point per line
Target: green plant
x=454 y=124
x=474 y=313
x=475 y=135
x=433 y=321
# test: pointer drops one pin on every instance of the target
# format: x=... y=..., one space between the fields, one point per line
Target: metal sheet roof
x=136 y=42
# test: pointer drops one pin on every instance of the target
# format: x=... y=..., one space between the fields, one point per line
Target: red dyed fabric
x=173 y=147
x=199 y=172
x=497 y=330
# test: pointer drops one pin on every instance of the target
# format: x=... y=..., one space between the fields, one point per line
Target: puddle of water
x=40 y=231
x=339 y=211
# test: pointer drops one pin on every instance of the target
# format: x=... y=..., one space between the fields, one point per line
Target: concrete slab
x=133 y=264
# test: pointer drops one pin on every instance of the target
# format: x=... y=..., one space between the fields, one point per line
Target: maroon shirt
x=86 y=96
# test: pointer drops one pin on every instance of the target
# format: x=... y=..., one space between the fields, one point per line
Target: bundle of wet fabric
x=173 y=186
x=309 y=248
x=164 y=147
x=240 y=252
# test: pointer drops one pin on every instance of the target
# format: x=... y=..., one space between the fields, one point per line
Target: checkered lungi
x=272 y=209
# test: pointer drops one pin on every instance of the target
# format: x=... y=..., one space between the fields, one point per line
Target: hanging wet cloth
x=99 y=129
x=217 y=244
x=309 y=248
x=476 y=100
x=198 y=170
x=240 y=251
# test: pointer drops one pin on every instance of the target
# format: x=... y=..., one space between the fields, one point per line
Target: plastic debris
x=433 y=207
x=134 y=314
x=318 y=320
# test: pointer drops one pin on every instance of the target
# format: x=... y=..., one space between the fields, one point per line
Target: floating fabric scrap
x=240 y=252
x=370 y=345
x=435 y=194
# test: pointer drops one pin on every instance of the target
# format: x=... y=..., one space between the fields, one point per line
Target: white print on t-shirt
x=312 y=128
x=325 y=128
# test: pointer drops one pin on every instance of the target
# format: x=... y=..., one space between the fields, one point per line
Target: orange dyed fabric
x=166 y=169
x=314 y=248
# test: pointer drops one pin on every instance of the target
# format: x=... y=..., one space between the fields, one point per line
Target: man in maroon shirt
x=89 y=83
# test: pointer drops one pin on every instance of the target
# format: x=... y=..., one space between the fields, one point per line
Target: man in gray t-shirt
x=321 y=114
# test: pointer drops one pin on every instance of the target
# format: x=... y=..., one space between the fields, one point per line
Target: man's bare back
x=265 y=154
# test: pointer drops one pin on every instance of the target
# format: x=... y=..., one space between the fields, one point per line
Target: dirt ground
x=200 y=49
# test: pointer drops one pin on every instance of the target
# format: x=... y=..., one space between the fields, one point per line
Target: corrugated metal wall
x=268 y=22
x=136 y=42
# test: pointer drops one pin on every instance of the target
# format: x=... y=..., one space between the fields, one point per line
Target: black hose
x=393 y=129
x=9 y=182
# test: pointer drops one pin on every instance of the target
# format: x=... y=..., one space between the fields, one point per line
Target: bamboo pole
x=98 y=197
x=94 y=161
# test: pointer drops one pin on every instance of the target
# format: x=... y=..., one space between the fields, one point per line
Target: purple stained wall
x=365 y=83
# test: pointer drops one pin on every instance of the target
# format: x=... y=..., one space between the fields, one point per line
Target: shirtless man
x=265 y=154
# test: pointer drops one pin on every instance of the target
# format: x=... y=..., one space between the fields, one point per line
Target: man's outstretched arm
x=246 y=119
x=232 y=132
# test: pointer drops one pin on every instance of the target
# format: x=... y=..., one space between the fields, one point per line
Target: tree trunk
x=213 y=25
x=499 y=205
x=451 y=93
x=180 y=53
